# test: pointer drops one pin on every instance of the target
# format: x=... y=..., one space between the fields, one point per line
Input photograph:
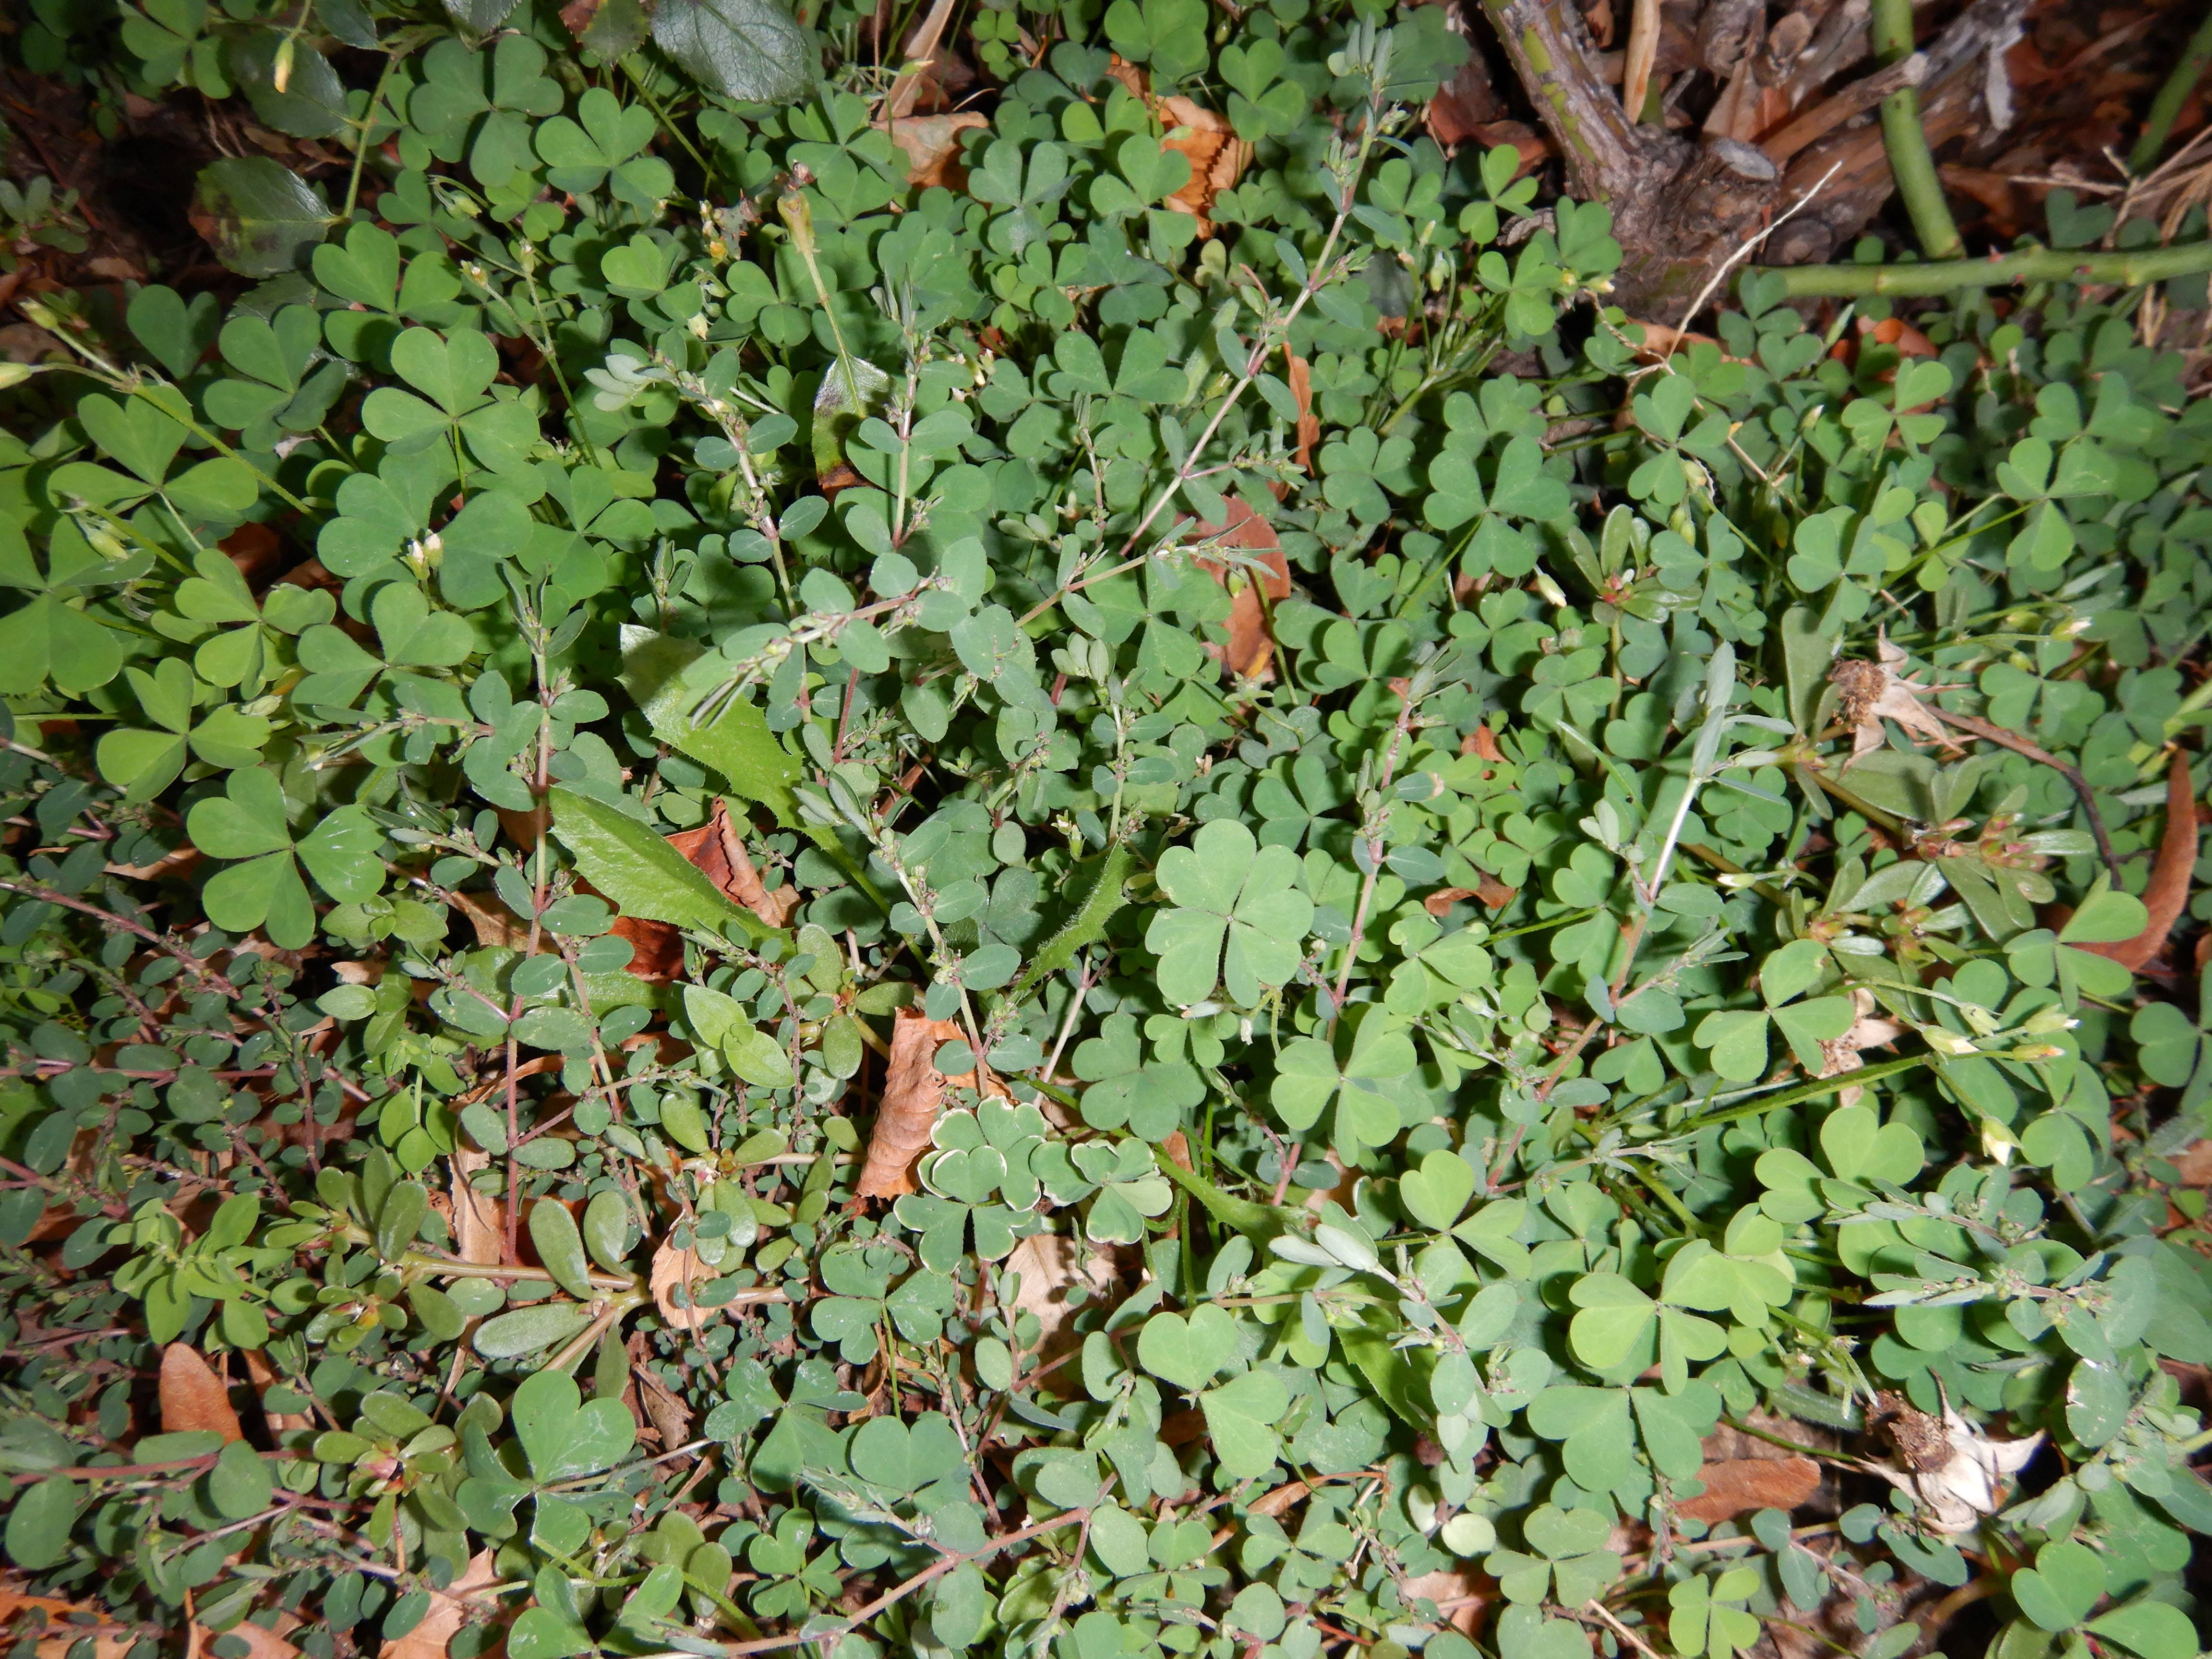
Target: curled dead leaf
x=1967 y=1479
x=496 y=926
x=1300 y=376
x=193 y=1398
x=66 y=1624
x=718 y=850
x=932 y=143
x=2167 y=894
x=674 y=1269
x=921 y=73
x=1053 y=1268
x=1251 y=646
x=1460 y=1594
x=1464 y=104
x=1217 y=155
x=1439 y=903
x=913 y=1093
x=259 y=1643
x=263 y=1375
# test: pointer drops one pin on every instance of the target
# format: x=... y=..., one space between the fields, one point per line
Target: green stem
x=2158 y=125
x=367 y=127
x=1819 y=1089
x=668 y=124
x=2121 y=270
x=1911 y=161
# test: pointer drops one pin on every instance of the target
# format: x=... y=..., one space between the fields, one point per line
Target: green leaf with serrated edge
x=1256 y=1221
x=639 y=872
x=1109 y=872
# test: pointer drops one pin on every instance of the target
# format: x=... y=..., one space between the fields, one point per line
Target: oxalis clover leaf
x=981 y=1176
x=248 y=822
x=1350 y=1075
x=1707 y=1616
x=1238 y=920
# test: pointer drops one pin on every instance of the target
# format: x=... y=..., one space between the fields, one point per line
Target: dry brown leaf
x=479 y=1220
x=1841 y=1054
x=1051 y=1266
x=496 y=1084
x=169 y=866
x=1286 y=1496
x=1300 y=375
x=1959 y=1474
x=496 y=926
x=1217 y=155
x=1741 y=1485
x=670 y=1416
x=1181 y=1428
x=1464 y=104
x=524 y=829
x=718 y=851
x=451 y=1610
x=2167 y=894
x=1250 y=647
x=921 y=60
x=263 y=1375
x=1482 y=742
x=1460 y=1594
x=1871 y=692
x=259 y=1643
x=932 y=143
x=1896 y=332
x=673 y=1268
x=914 y=1092
x=69 y=1623
x=1439 y=903
x=193 y=1398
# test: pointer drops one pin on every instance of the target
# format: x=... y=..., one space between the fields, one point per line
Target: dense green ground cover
x=1442 y=1042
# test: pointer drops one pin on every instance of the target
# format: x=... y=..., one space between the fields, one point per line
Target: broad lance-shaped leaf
x=658 y=671
x=642 y=873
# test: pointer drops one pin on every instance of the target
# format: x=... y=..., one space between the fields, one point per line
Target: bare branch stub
x=1680 y=209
